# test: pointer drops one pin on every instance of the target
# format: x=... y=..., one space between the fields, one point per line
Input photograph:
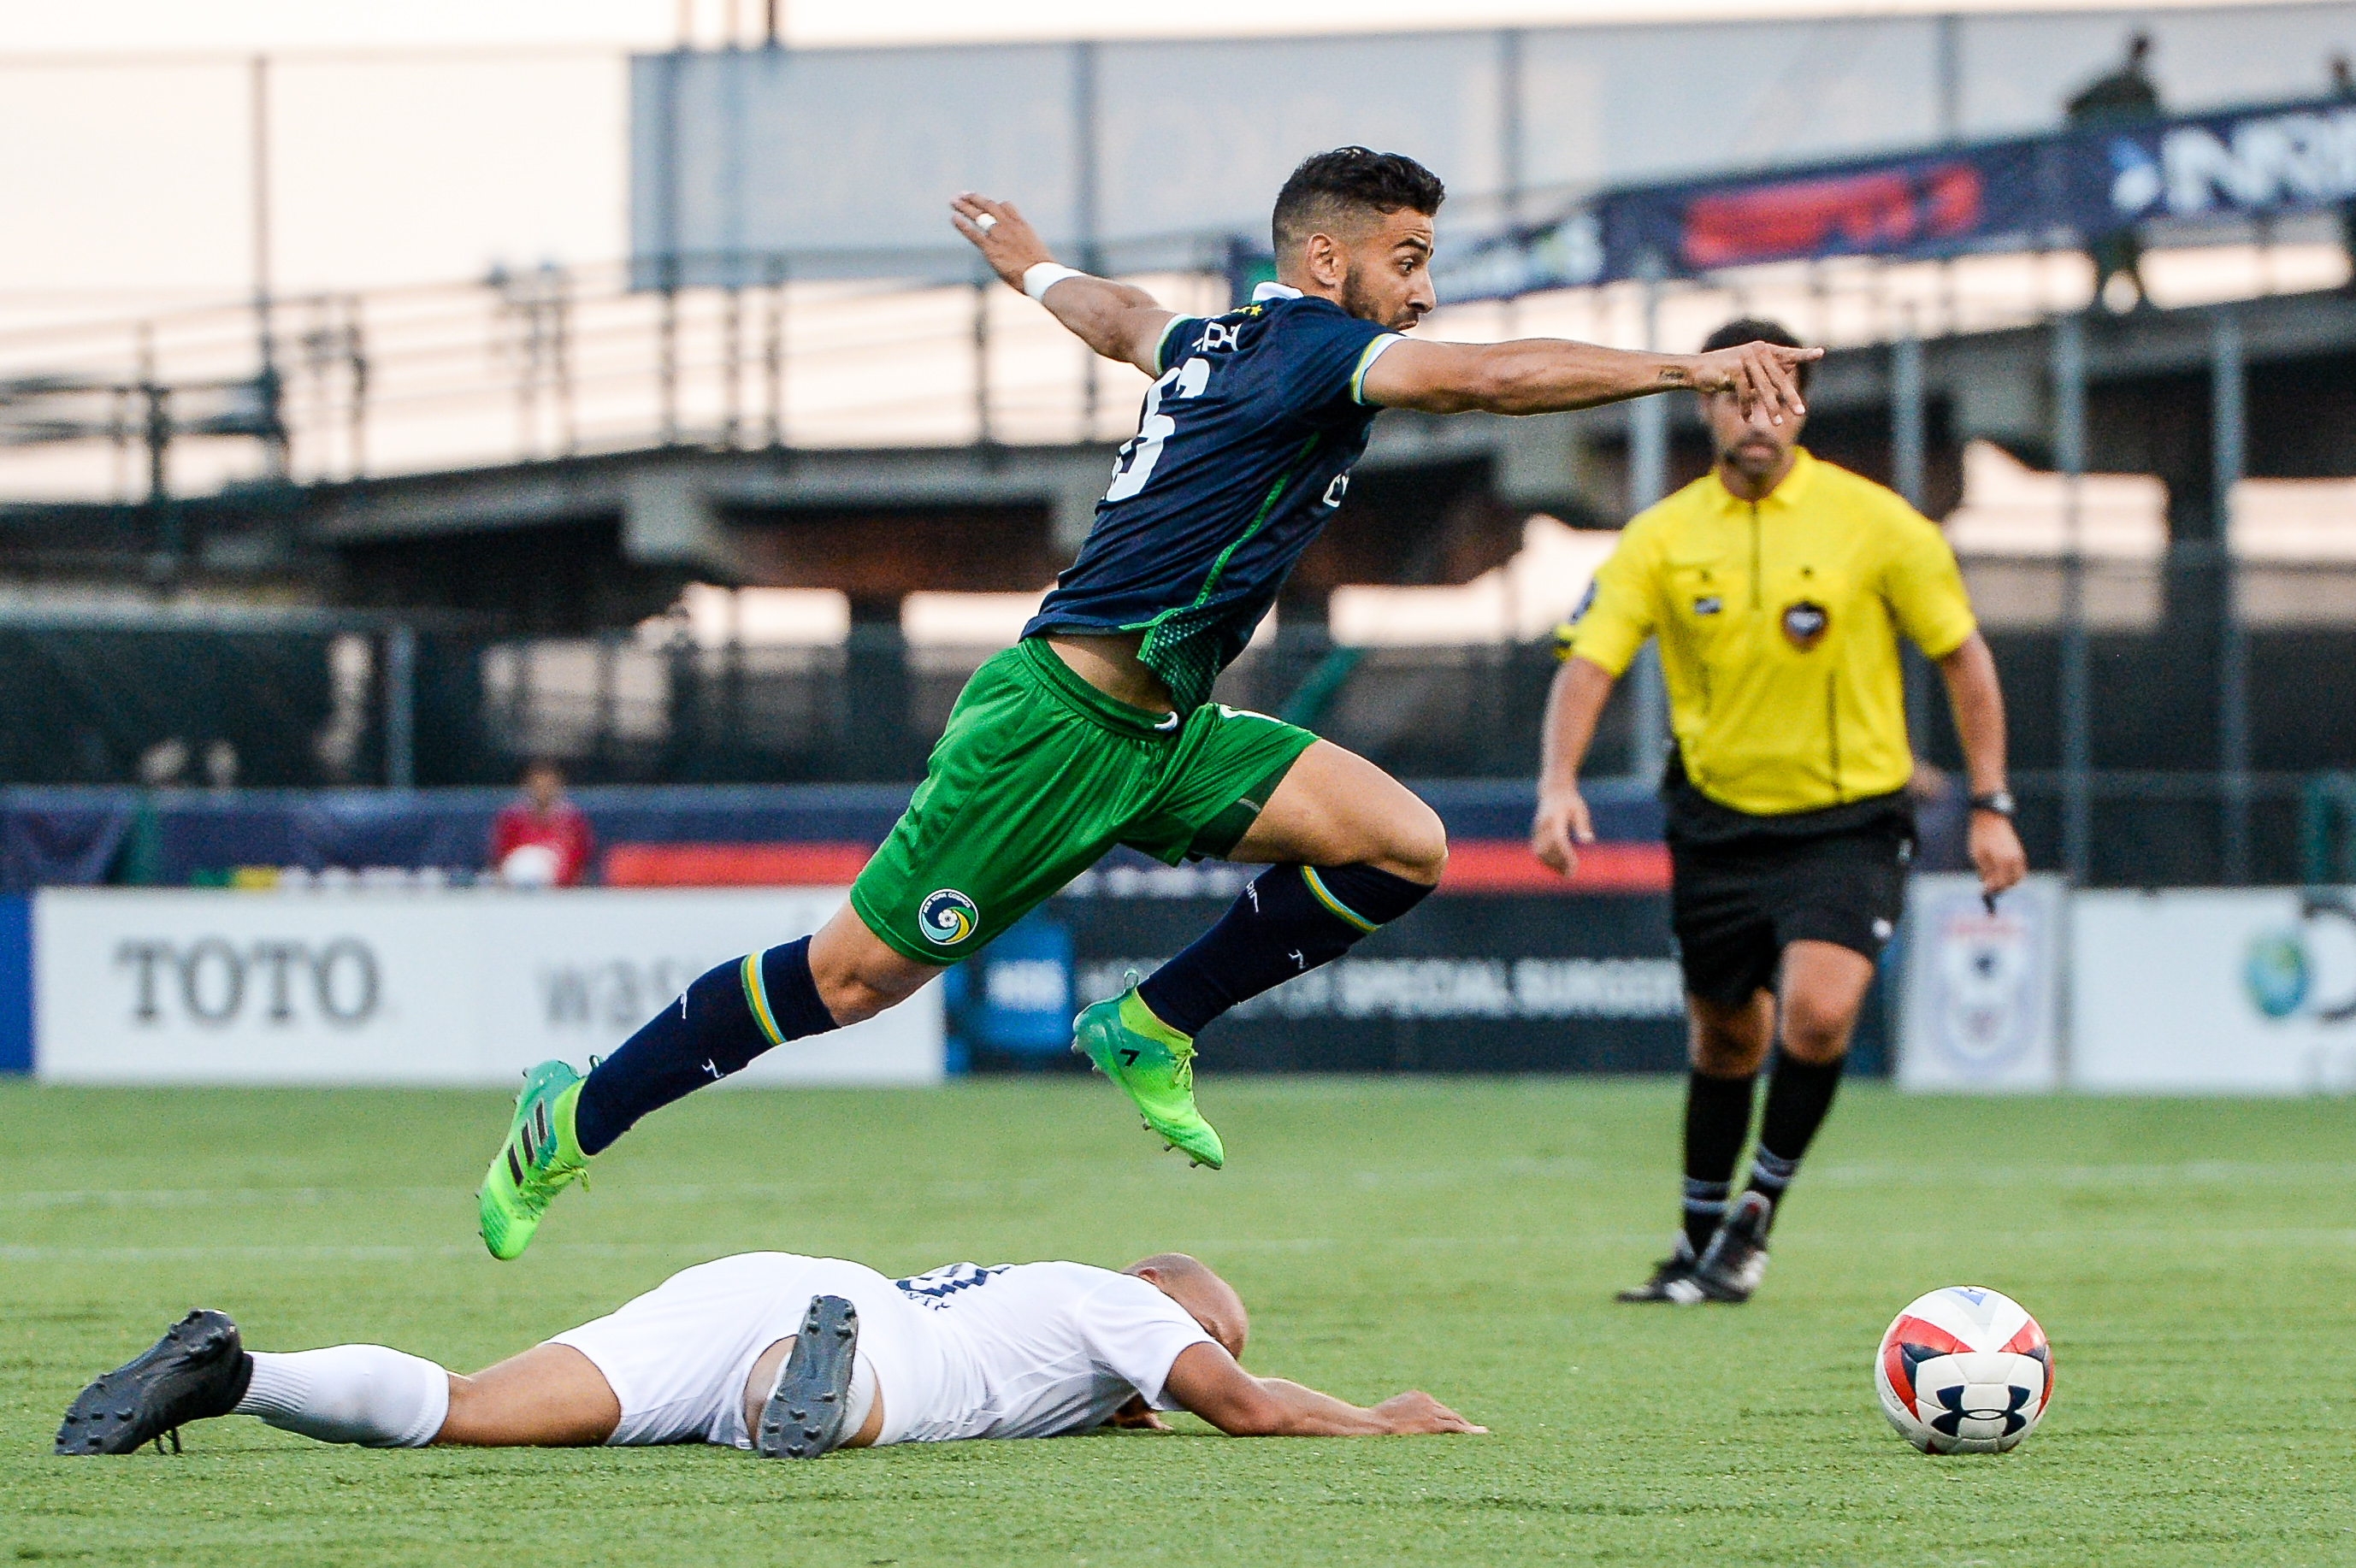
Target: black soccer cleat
x=1672 y=1281
x=1736 y=1259
x=196 y=1370
x=805 y=1414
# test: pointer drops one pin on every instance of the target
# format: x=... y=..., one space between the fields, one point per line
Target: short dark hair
x=1327 y=183
x=1758 y=329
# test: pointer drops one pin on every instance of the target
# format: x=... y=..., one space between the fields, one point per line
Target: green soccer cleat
x=541 y=1159
x=1156 y=1064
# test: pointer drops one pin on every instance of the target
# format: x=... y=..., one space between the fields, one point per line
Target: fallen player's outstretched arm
x=1548 y=374
x=1116 y=320
x=1205 y=1379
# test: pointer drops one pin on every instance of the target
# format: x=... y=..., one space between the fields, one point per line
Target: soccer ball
x=1964 y=1371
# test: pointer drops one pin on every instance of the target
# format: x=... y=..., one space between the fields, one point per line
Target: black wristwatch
x=1996 y=801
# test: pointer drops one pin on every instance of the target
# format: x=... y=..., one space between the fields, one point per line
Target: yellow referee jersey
x=1779 y=624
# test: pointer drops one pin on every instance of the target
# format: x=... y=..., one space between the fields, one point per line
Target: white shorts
x=677 y=1357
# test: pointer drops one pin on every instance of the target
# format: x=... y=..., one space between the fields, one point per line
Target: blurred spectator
x=220 y=764
x=541 y=840
x=162 y=764
x=2343 y=88
x=2124 y=97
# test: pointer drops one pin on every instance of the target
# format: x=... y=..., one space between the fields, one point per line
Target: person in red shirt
x=541 y=840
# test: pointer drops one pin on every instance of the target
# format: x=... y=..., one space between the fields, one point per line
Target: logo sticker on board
x=946 y=917
x=1708 y=605
x=1805 y=622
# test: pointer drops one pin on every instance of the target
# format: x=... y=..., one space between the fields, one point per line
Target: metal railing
x=554 y=361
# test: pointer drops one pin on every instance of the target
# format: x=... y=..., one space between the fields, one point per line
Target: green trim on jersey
x=1366 y=358
x=1159 y=652
x=1161 y=365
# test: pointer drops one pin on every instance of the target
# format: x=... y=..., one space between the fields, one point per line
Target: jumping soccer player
x=1779 y=586
x=1097 y=729
x=790 y=1356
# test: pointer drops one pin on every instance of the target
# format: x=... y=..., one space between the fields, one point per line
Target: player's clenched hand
x=1415 y=1413
x=1007 y=241
x=1561 y=825
x=1760 y=375
x=1137 y=1416
x=1996 y=852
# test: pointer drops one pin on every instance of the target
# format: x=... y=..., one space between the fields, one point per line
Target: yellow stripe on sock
x=757 y=998
x=1309 y=875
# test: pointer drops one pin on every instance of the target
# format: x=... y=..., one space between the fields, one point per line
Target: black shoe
x=1672 y=1281
x=1736 y=1259
x=804 y=1416
x=196 y=1370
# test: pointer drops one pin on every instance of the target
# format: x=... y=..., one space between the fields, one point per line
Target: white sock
x=350 y=1394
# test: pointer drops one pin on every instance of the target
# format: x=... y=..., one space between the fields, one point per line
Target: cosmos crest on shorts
x=947 y=917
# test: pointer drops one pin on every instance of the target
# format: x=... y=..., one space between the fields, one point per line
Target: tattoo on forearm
x=1673 y=376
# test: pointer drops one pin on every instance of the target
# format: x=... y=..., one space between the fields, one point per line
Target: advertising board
x=2227 y=992
x=1980 y=1007
x=452 y=986
x=1471 y=983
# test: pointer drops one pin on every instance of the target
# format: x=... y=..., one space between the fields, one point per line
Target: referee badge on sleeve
x=1805 y=624
x=1566 y=632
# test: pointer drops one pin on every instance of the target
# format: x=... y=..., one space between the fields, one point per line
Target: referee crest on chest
x=1805 y=624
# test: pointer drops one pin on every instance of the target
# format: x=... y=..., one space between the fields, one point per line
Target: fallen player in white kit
x=790 y=1356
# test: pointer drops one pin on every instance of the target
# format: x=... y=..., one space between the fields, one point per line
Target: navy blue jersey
x=1241 y=454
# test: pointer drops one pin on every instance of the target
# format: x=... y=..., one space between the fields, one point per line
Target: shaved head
x=1346 y=192
x=1208 y=1299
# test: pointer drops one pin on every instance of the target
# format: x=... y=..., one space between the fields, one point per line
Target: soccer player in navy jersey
x=1097 y=729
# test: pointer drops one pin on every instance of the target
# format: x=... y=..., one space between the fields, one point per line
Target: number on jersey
x=1144 y=448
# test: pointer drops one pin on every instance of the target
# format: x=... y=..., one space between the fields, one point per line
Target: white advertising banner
x=2226 y=992
x=1982 y=986
x=452 y=986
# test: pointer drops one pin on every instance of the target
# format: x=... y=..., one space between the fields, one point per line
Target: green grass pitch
x=2192 y=1261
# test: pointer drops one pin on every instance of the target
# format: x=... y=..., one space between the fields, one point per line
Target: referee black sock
x=728 y=1017
x=1799 y=1096
x=1717 y=1118
x=1289 y=921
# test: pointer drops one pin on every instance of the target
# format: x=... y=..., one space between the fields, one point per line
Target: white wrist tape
x=1041 y=276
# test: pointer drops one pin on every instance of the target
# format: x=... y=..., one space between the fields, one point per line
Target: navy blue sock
x=728 y=1017
x=1287 y=922
x=1717 y=1118
x=1799 y=1096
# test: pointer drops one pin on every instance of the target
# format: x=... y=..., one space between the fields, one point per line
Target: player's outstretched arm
x=1116 y=320
x=1548 y=375
x=1205 y=1379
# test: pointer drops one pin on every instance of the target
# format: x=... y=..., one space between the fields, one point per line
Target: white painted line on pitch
x=394 y=1253
x=251 y=1196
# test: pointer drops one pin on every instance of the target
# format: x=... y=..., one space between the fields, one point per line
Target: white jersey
x=1016 y=1350
x=1035 y=1349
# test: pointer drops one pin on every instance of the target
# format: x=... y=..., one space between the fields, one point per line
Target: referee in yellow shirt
x=1778 y=585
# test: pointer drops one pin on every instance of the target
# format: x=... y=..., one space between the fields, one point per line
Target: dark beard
x=1355 y=300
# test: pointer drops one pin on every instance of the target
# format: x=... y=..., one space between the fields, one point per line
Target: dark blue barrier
x=168 y=837
x=15 y=983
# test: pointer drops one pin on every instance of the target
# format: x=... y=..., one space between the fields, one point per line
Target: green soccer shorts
x=1036 y=776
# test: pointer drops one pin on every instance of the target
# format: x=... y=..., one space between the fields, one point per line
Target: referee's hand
x=1560 y=826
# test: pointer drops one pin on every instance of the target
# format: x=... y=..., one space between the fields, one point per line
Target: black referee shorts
x=1736 y=905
